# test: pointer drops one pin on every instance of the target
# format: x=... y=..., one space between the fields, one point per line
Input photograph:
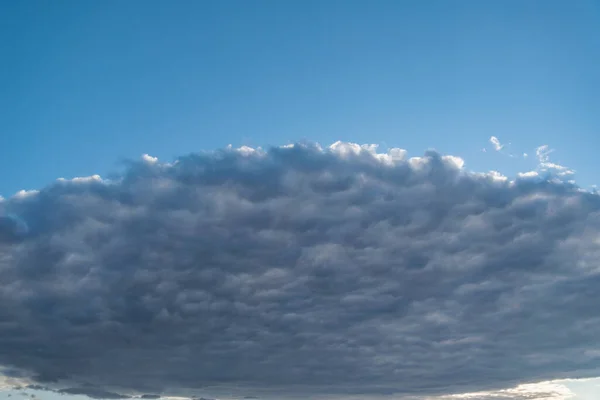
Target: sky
x=405 y=209
x=87 y=84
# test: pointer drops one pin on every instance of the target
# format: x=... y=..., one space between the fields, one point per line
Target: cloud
x=528 y=174
x=543 y=153
x=22 y=194
x=12 y=228
x=82 y=179
x=301 y=271
x=88 y=391
x=502 y=148
x=93 y=393
x=545 y=165
x=8 y=382
x=496 y=143
x=536 y=391
x=149 y=159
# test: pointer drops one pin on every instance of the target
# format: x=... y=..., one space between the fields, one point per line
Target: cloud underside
x=301 y=270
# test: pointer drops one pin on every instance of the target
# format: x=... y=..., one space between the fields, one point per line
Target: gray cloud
x=12 y=229
x=301 y=271
x=94 y=393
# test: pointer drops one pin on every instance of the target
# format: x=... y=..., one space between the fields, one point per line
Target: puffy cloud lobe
x=301 y=270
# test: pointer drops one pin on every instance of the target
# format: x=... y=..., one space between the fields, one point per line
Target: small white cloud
x=149 y=159
x=497 y=176
x=82 y=179
x=525 y=155
x=529 y=174
x=21 y=194
x=561 y=170
x=247 y=150
x=496 y=143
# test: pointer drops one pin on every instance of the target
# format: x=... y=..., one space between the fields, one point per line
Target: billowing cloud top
x=301 y=270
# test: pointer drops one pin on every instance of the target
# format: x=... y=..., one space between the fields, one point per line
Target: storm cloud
x=301 y=271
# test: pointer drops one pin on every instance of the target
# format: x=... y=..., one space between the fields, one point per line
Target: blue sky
x=85 y=84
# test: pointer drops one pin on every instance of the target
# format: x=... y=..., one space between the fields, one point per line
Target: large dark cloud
x=301 y=271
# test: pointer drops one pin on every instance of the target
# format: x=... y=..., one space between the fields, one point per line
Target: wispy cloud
x=543 y=153
x=501 y=148
x=545 y=165
x=496 y=143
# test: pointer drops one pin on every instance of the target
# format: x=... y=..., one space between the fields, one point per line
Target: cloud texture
x=301 y=270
